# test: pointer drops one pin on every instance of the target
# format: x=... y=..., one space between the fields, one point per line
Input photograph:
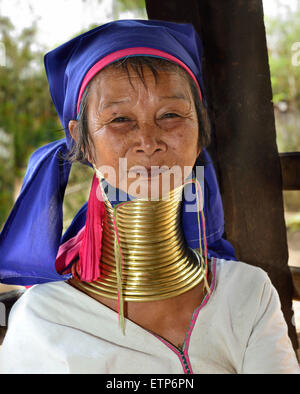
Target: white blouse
x=238 y=328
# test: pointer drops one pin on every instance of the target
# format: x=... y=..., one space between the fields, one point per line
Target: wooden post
x=290 y=169
x=239 y=95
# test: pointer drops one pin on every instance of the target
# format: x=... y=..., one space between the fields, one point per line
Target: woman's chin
x=153 y=187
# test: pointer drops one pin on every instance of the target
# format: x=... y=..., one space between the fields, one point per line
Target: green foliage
x=77 y=191
x=137 y=7
x=26 y=109
x=293 y=223
x=131 y=5
x=283 y=34
x=27 y=116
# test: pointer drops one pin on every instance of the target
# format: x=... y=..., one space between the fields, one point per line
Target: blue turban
x=32 y=234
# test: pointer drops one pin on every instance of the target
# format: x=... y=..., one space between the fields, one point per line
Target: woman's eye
x=120 y=119
x=170 y=115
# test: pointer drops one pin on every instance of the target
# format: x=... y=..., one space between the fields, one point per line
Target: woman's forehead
x=115 y=81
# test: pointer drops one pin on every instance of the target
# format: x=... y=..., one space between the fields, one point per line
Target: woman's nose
x=149 y=140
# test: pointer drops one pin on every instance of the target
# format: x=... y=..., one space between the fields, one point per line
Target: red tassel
x=90 y=251
x=87 y=243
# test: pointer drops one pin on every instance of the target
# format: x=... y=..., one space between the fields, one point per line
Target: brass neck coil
x=156 y=262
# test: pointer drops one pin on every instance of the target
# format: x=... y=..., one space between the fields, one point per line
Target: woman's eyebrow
x=108 y=104
x=177 y=96
x=111 y=103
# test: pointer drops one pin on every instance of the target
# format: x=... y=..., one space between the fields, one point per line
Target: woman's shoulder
x=41 y=299
x=237 y=277
x=33 y=331
x=242 y=292
x=40 y=292
x=237 y=268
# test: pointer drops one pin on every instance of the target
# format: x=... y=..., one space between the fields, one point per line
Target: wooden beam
x=239 y=95
x=296 y=282
x=290 y=168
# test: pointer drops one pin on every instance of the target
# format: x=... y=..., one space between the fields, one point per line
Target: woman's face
x=146 y=125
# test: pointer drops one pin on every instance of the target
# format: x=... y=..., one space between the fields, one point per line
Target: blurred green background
x=30 y=28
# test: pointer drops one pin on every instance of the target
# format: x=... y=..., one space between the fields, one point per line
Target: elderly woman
x=142 y=281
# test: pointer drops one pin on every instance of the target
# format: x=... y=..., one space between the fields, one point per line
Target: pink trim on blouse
x=196 y=313
x=129 y=52
x=191 y=327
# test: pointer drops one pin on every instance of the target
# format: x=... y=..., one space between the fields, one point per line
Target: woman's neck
x=144 y=255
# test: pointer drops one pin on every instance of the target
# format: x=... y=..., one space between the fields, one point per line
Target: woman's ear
x=73 y=129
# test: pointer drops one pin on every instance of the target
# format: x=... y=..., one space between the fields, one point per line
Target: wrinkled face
x=150 y=124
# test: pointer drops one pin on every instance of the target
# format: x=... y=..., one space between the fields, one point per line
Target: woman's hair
x=83 y=147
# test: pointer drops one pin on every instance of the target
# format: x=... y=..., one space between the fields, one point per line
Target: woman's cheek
x=182 y=139
x=105 y=141
x=185 y=146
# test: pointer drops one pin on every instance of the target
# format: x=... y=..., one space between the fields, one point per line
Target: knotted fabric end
x=87 y=243
x=90 y=250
